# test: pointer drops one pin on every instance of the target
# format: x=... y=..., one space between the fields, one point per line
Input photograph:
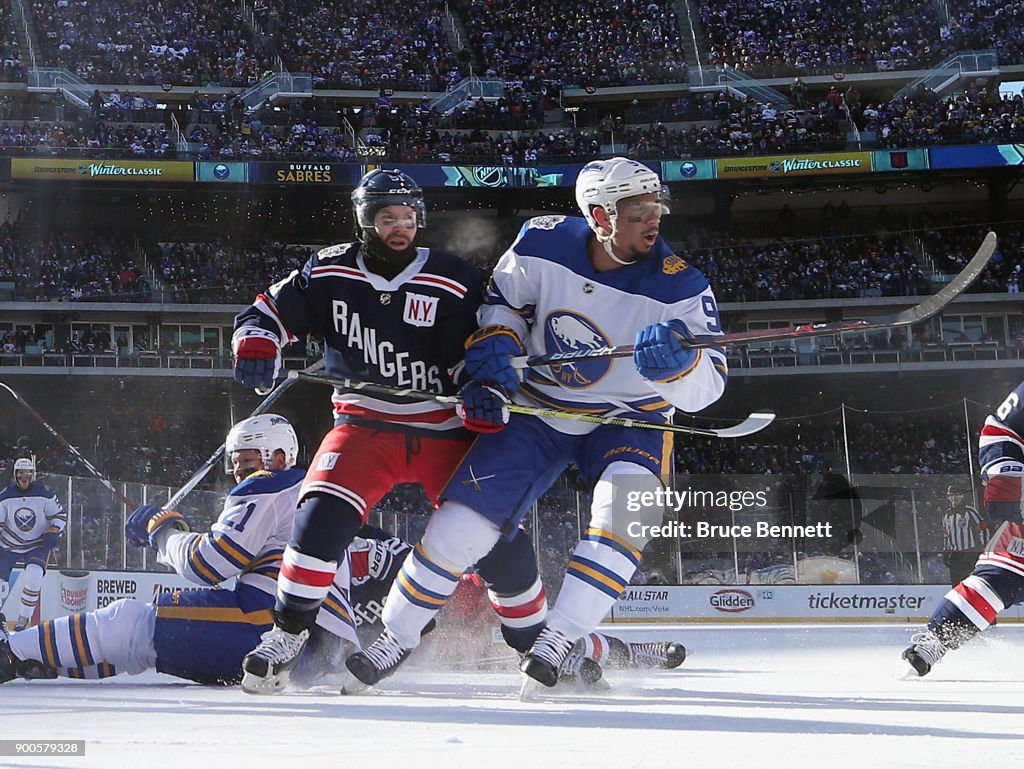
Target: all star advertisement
x=782 y=603
x=67 y=591
x=82 y=169
x=491 y=176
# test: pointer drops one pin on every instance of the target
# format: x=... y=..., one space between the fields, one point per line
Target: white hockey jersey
x=546 y=289
x=25 y=516
x=247 y=541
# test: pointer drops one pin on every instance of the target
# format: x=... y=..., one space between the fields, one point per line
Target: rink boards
x=67 y=591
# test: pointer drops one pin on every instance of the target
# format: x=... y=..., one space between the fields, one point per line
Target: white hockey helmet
x=605 y=182
x=23 y=464
x=267 y=433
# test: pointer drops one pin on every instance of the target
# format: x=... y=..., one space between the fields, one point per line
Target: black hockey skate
x=546 y=657
x=657 y=654
x=8 y=662
x=925 y=650
x=378 y=660
x=11 y=667
x=267 y=668
x=579 y=672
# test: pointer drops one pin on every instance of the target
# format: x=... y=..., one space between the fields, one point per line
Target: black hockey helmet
x=381 y=188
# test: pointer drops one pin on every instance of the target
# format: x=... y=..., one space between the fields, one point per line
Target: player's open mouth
x=650 y=237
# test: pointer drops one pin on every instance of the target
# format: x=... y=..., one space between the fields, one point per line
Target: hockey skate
x=8 y=662
x=579 y=672
x=11 y=667
x=925 y=650
x=657 y=654
x=378 y=660
x=547 y=656
x=21 y=624
x=267 y=668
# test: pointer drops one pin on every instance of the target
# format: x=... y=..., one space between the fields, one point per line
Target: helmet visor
x=637 y=211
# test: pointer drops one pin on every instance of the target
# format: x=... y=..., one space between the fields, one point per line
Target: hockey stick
x=915 y=314
x=74 y=452
x=216 y=457
x=752 y=424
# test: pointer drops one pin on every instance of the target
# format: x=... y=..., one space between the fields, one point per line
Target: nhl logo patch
x=673 y=264
x=420 y=310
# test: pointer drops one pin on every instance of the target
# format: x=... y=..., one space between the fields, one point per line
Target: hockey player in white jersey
x=199 y=635
x=568 y=284
x=31 y=523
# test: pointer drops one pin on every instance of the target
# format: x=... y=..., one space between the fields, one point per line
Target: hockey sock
x=455 y=539
x=522 y=615
x=115 y=639
x=324 y=527
x=599 y=570
x=302 y=586
x=32 y=582
x=515 y=590
x=971 y=606
x=606 y=650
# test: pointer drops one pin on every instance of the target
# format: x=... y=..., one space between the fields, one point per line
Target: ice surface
x=748 y=696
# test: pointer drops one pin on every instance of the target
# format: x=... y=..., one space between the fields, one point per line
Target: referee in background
x=962 y=535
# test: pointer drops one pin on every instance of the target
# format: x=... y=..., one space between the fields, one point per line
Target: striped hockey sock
x=420 y=590
x=65 y=644
x=522 y=614
x=302 y=585
x=599 y=570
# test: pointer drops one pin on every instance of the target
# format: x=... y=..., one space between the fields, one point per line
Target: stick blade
x=756 y=422
x=954 y=288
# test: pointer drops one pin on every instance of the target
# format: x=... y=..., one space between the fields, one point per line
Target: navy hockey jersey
x=1001 y=449
x=409 y=331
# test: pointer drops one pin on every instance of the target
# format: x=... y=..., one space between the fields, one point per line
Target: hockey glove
x=487 y=356
x=483 y=409
x=51 y=540
x=659 y=353
x=257 y=357
x=146 y=522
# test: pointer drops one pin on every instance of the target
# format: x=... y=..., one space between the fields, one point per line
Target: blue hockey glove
x=257 y=357
x=483 y=409
x=659 y=354
x=487 y=356
x=51 y=540
x=145 y=522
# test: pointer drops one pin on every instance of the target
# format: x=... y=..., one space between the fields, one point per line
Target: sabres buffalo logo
x=25 y=518
x=569 y=332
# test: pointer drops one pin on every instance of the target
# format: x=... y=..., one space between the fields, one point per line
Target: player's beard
x=383 y=260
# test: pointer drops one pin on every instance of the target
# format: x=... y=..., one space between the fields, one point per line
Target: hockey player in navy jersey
x=392 y=313
x=997 y=581
x=568 y=284
x=201 y=635
x=31 y=523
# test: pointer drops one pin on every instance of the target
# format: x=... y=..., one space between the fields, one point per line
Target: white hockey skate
x=267 y=668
